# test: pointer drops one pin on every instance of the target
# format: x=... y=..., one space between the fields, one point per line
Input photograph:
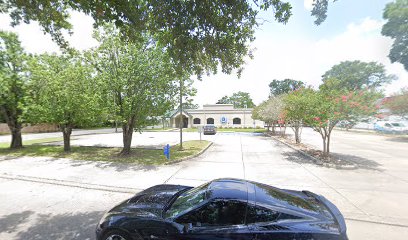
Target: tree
x=12 y=85
x=63 y=92
x=325 y=109
x=356 y=75
x=138 y=80
x=296 y=109
x=198 y=35
x=398 y=103
x=239 y=99
x=271 y=111
x=278 y=87
x=396 y=27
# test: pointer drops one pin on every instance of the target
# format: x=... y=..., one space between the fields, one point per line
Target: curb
x=316 y=160
x=190 y=157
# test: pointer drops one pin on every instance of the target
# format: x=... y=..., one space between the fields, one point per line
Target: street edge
x=190 y=157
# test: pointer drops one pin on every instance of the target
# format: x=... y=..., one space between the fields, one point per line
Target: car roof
x=227 y=188
x=238 y=189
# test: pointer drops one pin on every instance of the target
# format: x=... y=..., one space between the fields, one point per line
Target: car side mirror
x=187 y=227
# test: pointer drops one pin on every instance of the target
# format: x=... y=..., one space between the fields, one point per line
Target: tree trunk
x=16 y=139
x=328 y=144
x=324 y=145
x=127 y=138
x=66 y=132
x=297 y=135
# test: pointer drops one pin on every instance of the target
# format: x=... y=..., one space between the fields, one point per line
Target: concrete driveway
x=46 y=198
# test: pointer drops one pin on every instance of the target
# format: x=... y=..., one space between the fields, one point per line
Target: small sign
x=200 y=129
x=223 y=120
x=166 y=151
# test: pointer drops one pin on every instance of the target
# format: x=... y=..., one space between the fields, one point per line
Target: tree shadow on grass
x=9 y=223
x=337 y=161
x=75 y=226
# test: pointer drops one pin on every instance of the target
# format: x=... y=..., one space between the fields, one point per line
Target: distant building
x=220 y=115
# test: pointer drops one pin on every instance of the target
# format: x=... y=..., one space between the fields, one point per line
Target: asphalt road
x=46 y=198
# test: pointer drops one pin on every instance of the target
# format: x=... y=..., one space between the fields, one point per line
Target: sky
x=298 y=50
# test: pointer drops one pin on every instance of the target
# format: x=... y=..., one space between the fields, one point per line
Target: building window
x=236 y=121
x=210 y=120
x=197 y=121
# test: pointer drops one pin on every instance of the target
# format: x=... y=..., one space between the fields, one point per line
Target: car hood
x=150 y=202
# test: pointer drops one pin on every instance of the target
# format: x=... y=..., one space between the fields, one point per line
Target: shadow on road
x=118 y=167
x=398 y=139
x=9 y=223
x=342 y=161
x=78 y=226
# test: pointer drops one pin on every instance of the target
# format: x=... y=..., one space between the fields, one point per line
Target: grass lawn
x=138 y=155
x=156 y=129
x=34 y=141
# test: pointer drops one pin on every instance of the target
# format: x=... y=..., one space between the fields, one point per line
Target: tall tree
x=63 y=92
x=139 y=80
x=12 y=85
x=278 y=87
x=198 y=35
x=396 y=27
x=239 y=99
x=356 y=75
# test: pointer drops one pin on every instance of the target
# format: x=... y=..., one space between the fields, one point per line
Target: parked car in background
x=209 y=130
x=223 y=209
x=391 y=127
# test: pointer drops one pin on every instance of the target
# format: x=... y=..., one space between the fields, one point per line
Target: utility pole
x=181 y=115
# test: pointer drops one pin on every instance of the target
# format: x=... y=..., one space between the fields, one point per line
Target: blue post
x=166 y=151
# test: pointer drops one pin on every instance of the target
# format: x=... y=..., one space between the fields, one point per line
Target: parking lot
x=45 y=198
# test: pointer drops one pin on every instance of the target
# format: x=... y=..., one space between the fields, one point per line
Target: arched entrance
x=181 y=120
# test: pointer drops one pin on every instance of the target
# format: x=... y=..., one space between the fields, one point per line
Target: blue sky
x=298 y=50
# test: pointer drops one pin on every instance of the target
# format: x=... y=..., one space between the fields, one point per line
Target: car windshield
x=187 y=201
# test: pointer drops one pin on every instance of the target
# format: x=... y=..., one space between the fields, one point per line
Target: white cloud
x=304 y=59
x=308 y=4
x=35 y=41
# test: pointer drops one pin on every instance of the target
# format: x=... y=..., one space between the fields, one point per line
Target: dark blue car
x=223 y=209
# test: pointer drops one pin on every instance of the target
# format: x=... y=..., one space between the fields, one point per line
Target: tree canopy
x=278 y=87
x=12 y=84
x=396 y=27
x=138 y=80
x=239 y=99
x=198 y=35
x=356 y=75
x=63 y=92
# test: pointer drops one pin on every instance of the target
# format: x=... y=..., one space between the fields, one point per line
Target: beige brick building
x=220 y=115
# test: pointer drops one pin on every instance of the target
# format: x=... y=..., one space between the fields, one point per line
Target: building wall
x=218 y=112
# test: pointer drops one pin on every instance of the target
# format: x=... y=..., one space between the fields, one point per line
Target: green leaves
x=239 y=99
x=396 y=27
x=63 y=91
x=356 y=75
x=138 y=78
x=278 y=87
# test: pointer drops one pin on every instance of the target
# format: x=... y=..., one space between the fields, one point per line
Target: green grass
x=138 y=155
x=34 y=141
